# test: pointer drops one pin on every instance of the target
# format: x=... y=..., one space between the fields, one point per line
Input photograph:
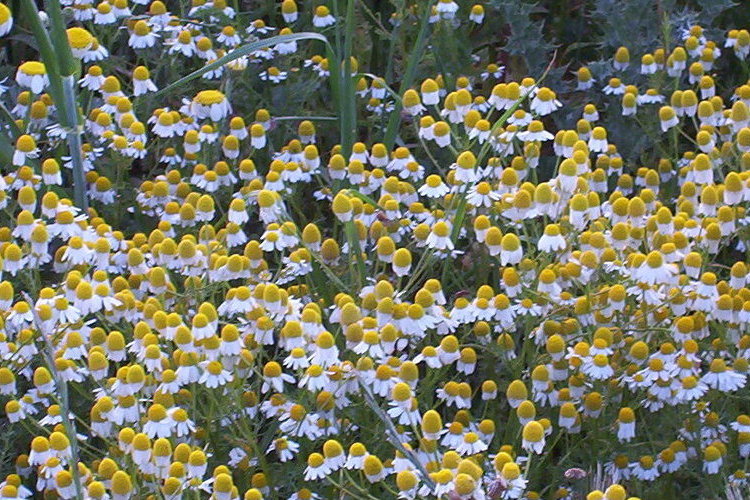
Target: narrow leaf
x=349 y=107
x=65 y=60
x=47 y=54
x=411 y=69
x=239 y=52
x=6 y=150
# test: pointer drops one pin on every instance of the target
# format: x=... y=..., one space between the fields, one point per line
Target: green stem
x=62 y=399
x=349 y=107
x=73 y=137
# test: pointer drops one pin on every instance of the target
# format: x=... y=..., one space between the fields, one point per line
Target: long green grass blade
x=73 y=139
x=59 y=37
x=62 y=69
x=46 y=52
x=335 y=81
x=62 y=398
x=408 y=79
x=69 y=68
x=6 y=150
x=349 y=103
x=240 y=52
x=364 y=198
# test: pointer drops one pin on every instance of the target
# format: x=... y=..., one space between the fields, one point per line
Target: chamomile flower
x=25 y=149
x=142 y=36
x=210 y=104
x=477 y=16
x=142 y=82
x=723 y=378
x=533 y=437
x=80 y=41
x=447 y=9
x=585 y=80
x=273 y=74
x=551 y=240
x=32 y=75
x=214 y=375
x=482 y=195
x=6 y=20
x=545 y=102
x=323 y=17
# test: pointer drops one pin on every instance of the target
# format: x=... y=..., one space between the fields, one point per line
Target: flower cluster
x=498 y=307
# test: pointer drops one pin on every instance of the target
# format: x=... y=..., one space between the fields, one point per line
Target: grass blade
x=349 y=104
x=239 y=52
x=411 y=69
x=62 y=399
x=6 y=150
x=70 y=119
x=364 y=198
x=335 y=81
x=73 y=138
x=46 y=52
x=391 y=434
x=67 y=64
x=61 y=69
